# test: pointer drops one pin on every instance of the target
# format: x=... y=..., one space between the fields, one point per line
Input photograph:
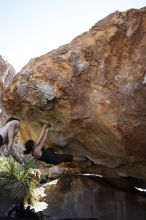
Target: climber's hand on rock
x=45 y=124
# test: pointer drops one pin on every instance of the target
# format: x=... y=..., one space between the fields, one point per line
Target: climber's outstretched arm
x=43 y=139
x=41 y=135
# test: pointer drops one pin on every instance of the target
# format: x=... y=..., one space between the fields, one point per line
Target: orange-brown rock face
x=92 y=91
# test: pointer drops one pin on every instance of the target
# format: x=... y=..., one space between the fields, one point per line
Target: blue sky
x=30 y=28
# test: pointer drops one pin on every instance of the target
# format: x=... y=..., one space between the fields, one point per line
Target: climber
x=7 y=135
x=41 y=151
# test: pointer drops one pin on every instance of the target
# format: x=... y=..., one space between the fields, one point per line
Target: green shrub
x=16 y=179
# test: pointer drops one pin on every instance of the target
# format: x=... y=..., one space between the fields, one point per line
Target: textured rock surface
x=82 y=197
x=7 y=73
x=92 y=91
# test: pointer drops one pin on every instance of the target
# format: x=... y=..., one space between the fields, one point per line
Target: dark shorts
x=1 y=140
x=50 y=157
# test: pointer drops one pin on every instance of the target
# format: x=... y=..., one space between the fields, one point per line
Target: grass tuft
x=17 y=180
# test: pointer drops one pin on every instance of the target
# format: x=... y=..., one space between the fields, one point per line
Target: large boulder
x=92 y=91
x=83 y=197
